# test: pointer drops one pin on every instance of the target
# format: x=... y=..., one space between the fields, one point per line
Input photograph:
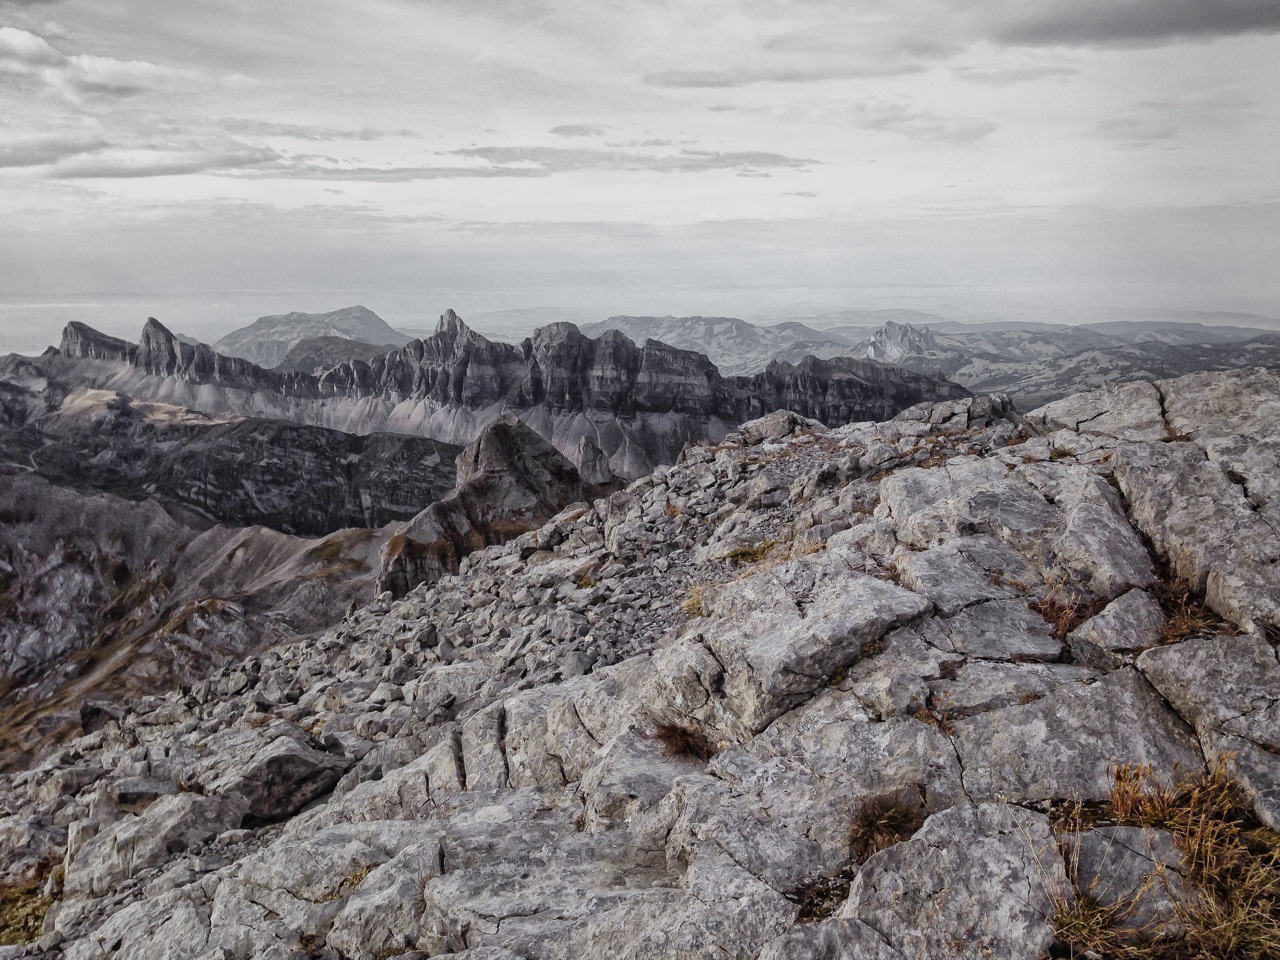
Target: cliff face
x=639 y=404
x=80 y=341
x=295 y=478
x=510 y=481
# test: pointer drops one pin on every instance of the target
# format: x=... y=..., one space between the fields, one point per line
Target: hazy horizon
x=29 y=328
x=1043 y=159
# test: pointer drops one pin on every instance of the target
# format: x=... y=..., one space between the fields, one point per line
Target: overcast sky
x=1021 y=157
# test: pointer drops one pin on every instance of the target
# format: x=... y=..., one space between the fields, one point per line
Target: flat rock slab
x=278 y=769
x=129 y=846
x=1136 y=870
x=975 y=880
x=786 y=631
x=1229 y=689
x=1126 y=411
x=1064 y=745
x=1129 y=624
x=953 y=578
x=1001 y=630
x=1203 y=523
x=1227 y=684
x=837 y=939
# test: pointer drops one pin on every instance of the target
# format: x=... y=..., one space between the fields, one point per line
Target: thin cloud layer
x=578 y=130
x=924 y=125
x=28 y=54
x=300 y=131
x=39 y=152
x=1134 y=22
x=119 y=164
x=861 y=128
x=562 y=160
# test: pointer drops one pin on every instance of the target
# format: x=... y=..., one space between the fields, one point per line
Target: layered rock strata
x=638 y=404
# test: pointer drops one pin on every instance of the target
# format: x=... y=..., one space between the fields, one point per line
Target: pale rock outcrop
x=646 y=728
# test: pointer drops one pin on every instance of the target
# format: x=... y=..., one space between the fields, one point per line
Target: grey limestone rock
x=976 y=880
x=1065 y=744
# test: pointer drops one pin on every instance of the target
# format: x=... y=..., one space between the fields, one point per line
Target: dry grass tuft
x=883 y=821
x=1065 y=611
x=1230 y=907
x=692 y=604
x=1188 y=615
x=22 y=910
x=681 y=741
x=819 y=899
x=751 y=554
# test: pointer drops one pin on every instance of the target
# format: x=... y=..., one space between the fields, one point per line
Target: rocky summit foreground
x=654 y=727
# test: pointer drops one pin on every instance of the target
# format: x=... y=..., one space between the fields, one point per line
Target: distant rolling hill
x=268 y=340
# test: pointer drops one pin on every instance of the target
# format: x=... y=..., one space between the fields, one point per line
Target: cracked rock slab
x=1228 y=688
x=785 y=644
x=977 y=880
x=1064 y=745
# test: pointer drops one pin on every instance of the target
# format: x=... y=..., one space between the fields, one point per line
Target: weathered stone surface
x=781 y=651
x=1228 y=688
x=976 y=880
x=955 y=576
x=1065 y=744
x=1202 y=522
x=1127 y=411
x=837 y=939
x=1136 y=871
x=134 y=844
x=278 y=770
x=776 y=425
x=1000 y=630
x=1128 y=624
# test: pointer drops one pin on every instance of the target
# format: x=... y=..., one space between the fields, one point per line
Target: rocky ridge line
x=638 y=404
x=842 y=615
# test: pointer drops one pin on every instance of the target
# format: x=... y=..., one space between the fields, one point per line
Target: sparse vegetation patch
x=883 y=821
x=678 y=740
x=1227 y=905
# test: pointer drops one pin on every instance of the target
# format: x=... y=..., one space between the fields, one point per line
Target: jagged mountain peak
x=79 y=340
x=154 y=330
x=896 y=340
x=451 y=325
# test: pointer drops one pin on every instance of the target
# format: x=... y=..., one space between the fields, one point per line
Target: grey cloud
x=1133 y=131
x=846 y=68
x=263 y=128
x=158 y=163
x=559 y=160
x=35 y=153
x=1011 y=75
x=21 y=49
x=1136 y=22
x=922 y=125
x=314 y=171
x=579 y=130
x=27 y=54
x=801 y=193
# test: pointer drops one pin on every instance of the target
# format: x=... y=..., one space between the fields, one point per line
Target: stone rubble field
x=649 y=729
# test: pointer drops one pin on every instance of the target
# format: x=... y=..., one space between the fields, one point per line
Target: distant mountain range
x=1033 y=363
x=638 y=404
